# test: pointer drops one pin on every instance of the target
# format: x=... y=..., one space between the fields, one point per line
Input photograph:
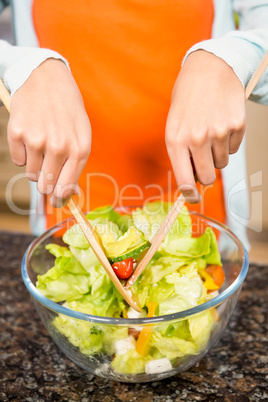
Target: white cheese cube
x=124 y=345
x=131 y=313
x=158 y=366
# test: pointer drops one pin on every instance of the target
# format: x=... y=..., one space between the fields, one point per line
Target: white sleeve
x=243 y=49
x=17 y=63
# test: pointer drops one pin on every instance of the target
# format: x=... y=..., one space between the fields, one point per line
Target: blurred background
x=257 y=161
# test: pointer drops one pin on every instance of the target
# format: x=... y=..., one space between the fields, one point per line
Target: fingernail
x=190 y=193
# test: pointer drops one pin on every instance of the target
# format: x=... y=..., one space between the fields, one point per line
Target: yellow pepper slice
x=208 y=281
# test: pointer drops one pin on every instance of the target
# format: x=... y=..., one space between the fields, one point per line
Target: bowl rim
x=137 y=321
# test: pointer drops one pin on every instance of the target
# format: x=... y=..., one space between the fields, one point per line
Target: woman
x=125 y=57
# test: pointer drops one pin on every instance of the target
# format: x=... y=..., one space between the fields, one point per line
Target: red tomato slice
x=124 y=268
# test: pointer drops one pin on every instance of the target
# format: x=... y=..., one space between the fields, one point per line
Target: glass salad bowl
x=168 y=344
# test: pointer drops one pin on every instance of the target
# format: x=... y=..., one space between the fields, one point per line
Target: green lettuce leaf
x=107 y=231
x=130 y=363
x=172 y=347
x=87 y=258
x=191 y=269
x=173 y=304
x=106 y=212
x=188 y=247
x=213 y=257
x=124 y=222
x=142 y=293
x=161 y=291
x=149 y=218
x=200 y=327
x=58 y=251
x=102 y=299
x=84 y=335
x=67 y=279
x=204 y=247
x=75 y=237
x=180 y=329
x=159 y=268
x=89 y=304
x=188 y=288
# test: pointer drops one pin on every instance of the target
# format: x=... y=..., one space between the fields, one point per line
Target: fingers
x=72 y=168
x=209 y=148
x=207 y=153
x=62 y=166
x=67 y=182
x=204 y=164
x=226 y=142
x=50 y=171
x=33 y=164
x=220 y=150
x=235 y=141
x=183 y=170
x=16 y=146
x=54 y=165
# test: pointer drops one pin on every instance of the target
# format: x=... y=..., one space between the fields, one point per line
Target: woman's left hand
x=206 y=120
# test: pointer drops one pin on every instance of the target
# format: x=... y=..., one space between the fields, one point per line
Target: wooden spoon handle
x=257 y=75
x=157 y=239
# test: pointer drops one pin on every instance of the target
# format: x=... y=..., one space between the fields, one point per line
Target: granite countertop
x=33 y=369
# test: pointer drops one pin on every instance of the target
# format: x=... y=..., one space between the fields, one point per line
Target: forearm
x=243 y=49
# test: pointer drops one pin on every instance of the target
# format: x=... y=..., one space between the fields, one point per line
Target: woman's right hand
x=49 y=130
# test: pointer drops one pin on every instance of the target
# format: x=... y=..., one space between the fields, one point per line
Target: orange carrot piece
x=151 y=308
x=142 y=344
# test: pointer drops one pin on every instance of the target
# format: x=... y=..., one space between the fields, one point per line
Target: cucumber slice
x=133 y=252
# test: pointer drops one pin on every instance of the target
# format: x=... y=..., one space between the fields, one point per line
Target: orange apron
x=125 y=56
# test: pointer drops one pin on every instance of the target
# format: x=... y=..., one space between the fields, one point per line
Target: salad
x=185 y=271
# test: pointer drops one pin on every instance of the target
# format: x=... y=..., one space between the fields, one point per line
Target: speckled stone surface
x=33 y=369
